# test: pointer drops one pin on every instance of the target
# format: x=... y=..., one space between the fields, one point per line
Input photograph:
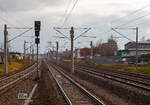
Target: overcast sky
x=100 y=15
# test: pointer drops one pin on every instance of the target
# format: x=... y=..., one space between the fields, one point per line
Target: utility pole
x=72 y=38
x=32 y=52
x=37 y=61
x=2 y=53
x=6 y=41
x=72 y=45
x=136 y=49
x=91 y=51
x=24 y=51
x=5 y=49
x=57 y=52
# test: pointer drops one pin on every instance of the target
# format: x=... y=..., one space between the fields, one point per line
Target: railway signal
x=37 y=40
x=37 y=33
x=37 y=27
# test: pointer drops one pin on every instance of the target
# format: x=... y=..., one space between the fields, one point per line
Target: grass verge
x=142 y=69
x=13 y=65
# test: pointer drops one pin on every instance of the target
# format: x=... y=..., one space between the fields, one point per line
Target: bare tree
x=107 y=49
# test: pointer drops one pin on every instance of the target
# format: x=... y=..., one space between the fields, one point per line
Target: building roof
x=14 y=53
x=145 y=42
x=141 y=42
x=139 y=49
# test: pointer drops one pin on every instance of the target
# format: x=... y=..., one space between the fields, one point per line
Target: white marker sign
x=22 y=96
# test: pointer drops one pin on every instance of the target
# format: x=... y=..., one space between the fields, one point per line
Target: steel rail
x=85 y=91
x=16 y=74
x=111 y=77
x=16 y=80
x=118 y=76
x=119 y=72
x=68 y=101
x=12 y=82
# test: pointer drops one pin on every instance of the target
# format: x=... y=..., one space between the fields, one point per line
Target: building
x=66 y=54
x=129 y=53
x=143 y=48
x=77 y=54
x=82 y=53
x=15 y=55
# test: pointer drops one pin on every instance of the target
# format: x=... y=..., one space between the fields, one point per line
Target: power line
x=105 y=32
x=82 y=33
x=141 y=23
x=67 y=17
x=19 y=35
x=122 y=34
x=132 y=13
x=133 y=20
x=66 y=10
x=6 y=20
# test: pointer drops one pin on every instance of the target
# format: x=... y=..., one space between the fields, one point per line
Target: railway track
x=122 y=78
x=73 y=92
x=8 y=82
x=138 y=76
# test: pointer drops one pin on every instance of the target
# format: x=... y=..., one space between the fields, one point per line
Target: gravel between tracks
x=10 y=97
x=46 y=92
x=73 y=92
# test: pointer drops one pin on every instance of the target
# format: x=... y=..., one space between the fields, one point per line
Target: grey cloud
x=24 y=5
x=99 y=24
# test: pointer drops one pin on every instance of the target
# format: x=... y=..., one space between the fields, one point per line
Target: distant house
x=15 y=55
x=66 y=54
x=82 y=53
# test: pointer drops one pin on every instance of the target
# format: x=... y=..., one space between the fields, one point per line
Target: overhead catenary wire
x=62 y=34
x=132 y=13
x=68 y=15
x=133 y=20
x=65 y=12
x=82 y=33
x=19 y=35
x=122 y=35
x=4 y=19
x=138 y=24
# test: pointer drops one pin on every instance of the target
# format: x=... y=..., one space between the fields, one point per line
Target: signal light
x=37 y=33
x=37 y=40
x=37 y=25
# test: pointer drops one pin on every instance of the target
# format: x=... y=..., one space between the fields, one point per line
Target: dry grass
x=142 y=69
x=65 y=60
x=76 y=61
x=13 y=65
